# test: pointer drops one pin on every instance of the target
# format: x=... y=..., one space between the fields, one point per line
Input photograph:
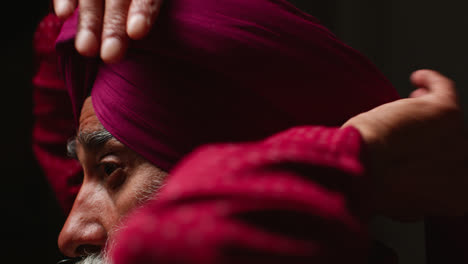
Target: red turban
x=223 y=71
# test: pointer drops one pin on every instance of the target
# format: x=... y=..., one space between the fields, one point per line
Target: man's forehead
x=88 y=119
x=91 y=134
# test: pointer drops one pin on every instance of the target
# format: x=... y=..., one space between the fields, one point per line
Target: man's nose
x=85 y=230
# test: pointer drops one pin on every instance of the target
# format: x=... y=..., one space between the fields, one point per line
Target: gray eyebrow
x=71 y=148
x=89 y=140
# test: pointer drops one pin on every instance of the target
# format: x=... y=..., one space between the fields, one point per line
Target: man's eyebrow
x=89 y=140
x=71 y=148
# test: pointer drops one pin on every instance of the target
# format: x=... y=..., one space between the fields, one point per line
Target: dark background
x=398 y=36
x=31 y=217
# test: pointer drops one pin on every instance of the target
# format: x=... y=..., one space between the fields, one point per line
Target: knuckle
x=449 y=83
x=444 y=82
x=116 y=13
x=450 y=109
x=90 y=8
x=115 y=19
x=114 y=26
x=90 y=20
x=90 y=15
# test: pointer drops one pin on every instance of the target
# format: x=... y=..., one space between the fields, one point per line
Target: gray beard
x=94 y=259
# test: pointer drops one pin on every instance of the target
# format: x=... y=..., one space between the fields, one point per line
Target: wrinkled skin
x=114 y=177
x=105 y=26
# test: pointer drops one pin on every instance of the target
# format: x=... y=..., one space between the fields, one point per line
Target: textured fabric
x=54 y=125
x=236 y=71
x=223 y=71
x=297 y=197
x=53 y=116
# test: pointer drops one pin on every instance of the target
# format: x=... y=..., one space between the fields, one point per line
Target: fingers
x=418 y=93
x=89 y=28
x=433 y=82
x=114 y=36
x=64 y=8
x=141 y=17
x=104 y=26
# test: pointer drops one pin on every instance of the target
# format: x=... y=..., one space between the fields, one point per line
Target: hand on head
x=418 y=151
x=106 y=25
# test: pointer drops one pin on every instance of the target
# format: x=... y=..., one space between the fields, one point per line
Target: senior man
x=217 y=72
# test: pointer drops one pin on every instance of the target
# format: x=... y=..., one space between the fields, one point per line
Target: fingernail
x=110 y=49
x=63 y=8
x=86 y=43
x=137 y=26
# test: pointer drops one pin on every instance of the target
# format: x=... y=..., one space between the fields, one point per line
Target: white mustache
x=90 y=259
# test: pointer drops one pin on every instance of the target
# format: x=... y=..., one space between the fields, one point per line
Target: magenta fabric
x=280 y=60
x=223 y=71
x=300 y=196
x=53 y=125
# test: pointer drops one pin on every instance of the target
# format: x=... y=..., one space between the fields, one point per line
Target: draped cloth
x=222 y=71
x=299 y=196
x=238 y=71
x=53 y=118
x=214 y=37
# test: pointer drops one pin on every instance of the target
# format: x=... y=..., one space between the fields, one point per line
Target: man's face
x=116 y=180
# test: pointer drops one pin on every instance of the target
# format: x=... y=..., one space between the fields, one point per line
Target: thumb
x=432 y=82
x=418 y=93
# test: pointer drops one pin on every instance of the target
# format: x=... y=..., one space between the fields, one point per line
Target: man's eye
x=109 y=168
x=114 y=174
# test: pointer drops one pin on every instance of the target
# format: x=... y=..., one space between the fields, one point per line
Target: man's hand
x=106 y=25
x=418 y=151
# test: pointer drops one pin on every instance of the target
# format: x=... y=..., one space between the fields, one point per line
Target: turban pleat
x=223 y=71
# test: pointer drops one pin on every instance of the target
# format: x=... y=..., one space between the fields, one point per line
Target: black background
x=31 y=217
